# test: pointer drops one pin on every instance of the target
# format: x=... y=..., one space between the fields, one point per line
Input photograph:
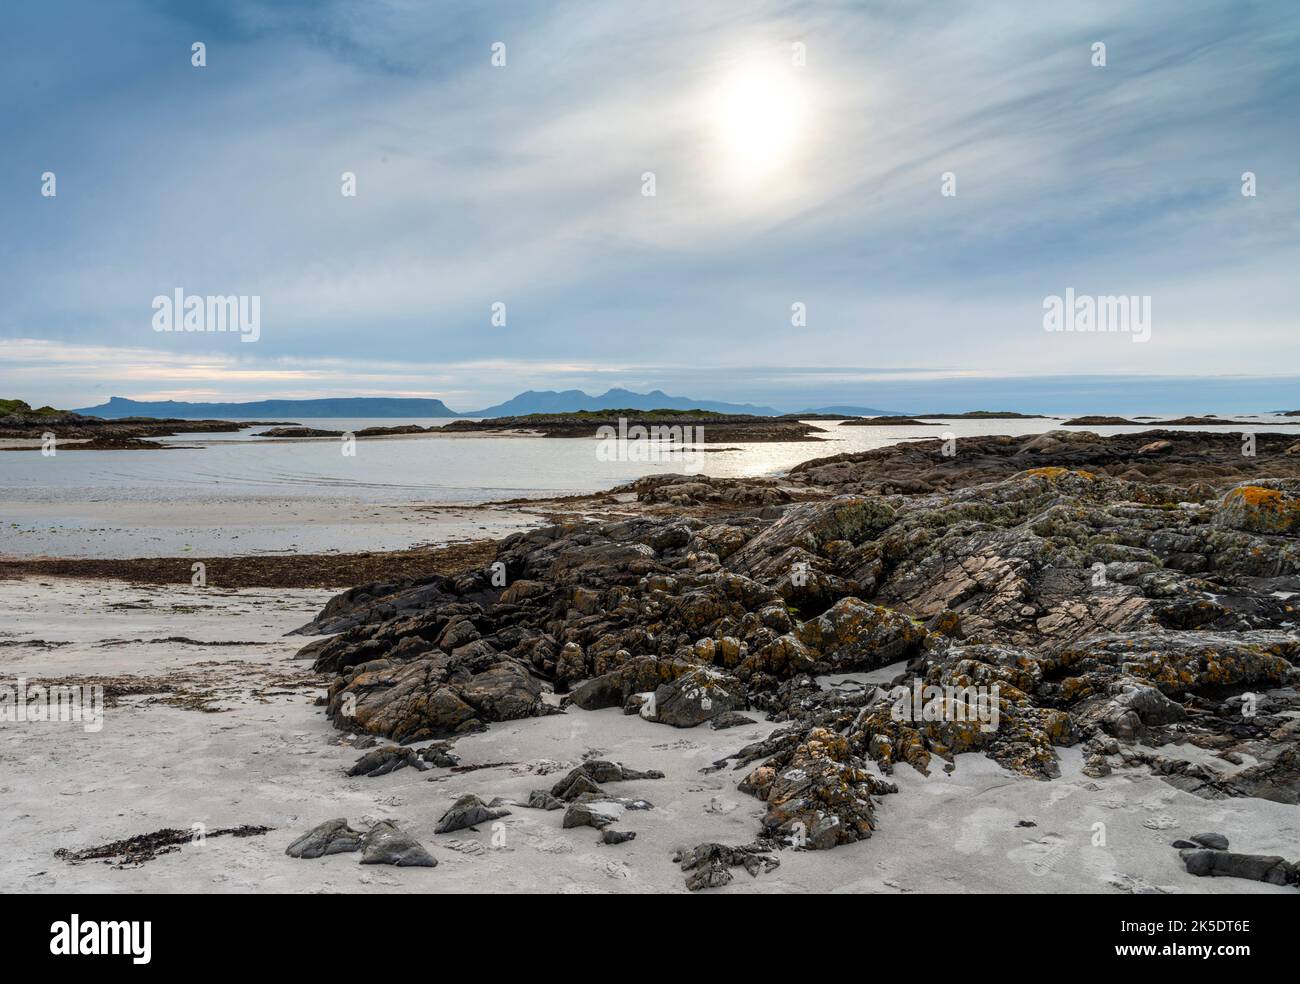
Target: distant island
x=985 y=415
x=888 y=420
x=18 y=420
x=573 y=401
x=1208 y=420
x=689 y=426
x=356 y=406
x=529 y=402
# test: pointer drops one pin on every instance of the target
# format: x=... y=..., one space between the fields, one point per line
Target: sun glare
x=759 y=115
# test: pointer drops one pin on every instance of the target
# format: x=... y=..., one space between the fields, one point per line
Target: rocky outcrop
x=702 y=426
x=390 y=758
x=1031 y=593
x=710 y=864
x=696 y=697
x=1265 y=507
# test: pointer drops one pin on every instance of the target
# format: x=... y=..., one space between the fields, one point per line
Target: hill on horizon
x=529 y=402
x=350 y=406
x=569 y=401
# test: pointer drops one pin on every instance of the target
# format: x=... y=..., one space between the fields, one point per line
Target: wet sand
x=203 y=526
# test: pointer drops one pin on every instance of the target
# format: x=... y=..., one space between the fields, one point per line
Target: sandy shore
x=264 y=754
x=250 y=525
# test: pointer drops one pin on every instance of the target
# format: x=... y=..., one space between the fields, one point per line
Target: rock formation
x=1102 y=593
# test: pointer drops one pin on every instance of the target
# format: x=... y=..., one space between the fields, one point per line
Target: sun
x=759 y=115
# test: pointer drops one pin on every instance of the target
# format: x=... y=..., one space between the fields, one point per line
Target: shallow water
x=460 y=469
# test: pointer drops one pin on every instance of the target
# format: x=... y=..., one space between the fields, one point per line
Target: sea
x=454 y=469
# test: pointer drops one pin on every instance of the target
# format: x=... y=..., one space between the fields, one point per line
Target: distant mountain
x=568 y=401
x=356 y=406
x=533 y=401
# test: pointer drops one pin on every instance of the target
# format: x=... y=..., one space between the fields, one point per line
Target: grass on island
x=19 y=406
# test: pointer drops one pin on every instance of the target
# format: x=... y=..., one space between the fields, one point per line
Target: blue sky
x=522 y=184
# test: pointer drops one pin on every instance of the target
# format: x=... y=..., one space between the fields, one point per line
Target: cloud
x=523 y=185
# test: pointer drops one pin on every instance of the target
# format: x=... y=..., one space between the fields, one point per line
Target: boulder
x=468 y=811
x=330 y=837
x=540 y=799
x=695 y=698
x=710 y=864
x=1255 y=867
x=1265 y=507
x=592 y=813
x=385 y=843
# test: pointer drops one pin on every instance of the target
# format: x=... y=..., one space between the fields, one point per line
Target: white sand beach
x=264 y=754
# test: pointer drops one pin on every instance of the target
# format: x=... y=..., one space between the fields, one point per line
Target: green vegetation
x=18 y=406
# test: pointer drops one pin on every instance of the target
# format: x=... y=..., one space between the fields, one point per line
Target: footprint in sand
x=471 y=848
x=1134 y=885
x=369 y=879
x=1042 y=855
x=615 y=869
x=1162 y=822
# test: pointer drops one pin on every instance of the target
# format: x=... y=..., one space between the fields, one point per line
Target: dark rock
x=576 y=783
x=729 y=719
x=385 y=843
x=1263 y=507
x=331 y=837
x=389 y=758
x=592 y=813
x=1215 y=842
x=1256 y=867
x=1091 y=588
x=711 y=863
x=694 y=698
x=540 y=799
x=617 y=836
x=468 y=811
x=585 y=779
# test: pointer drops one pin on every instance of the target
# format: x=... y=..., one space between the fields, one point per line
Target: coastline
x=211 y=670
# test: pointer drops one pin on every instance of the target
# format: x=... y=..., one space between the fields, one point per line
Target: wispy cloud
x=522 y=185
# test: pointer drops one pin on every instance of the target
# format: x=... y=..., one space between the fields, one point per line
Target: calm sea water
x=433 y=470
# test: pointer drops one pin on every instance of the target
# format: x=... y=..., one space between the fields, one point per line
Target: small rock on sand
x=330 y=837
x=385 y=843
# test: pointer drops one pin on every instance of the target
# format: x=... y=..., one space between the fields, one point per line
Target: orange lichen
x=1254 y=495
x=1053 y=472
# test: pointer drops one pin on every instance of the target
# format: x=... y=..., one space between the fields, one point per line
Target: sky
x=798 y=249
